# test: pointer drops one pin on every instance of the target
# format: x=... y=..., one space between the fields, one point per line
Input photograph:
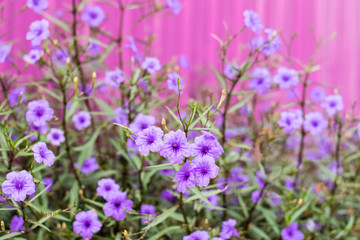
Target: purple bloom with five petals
x=114 y=78
x=86 y=224
x=230 y=71
x=60 y=57
x=149 y=140
x=43 y=154
x=17 y=224
x=89 y=166
x=185 y=177
x=252 y=21
x=149 y=211
x=286 y=78
x=93 y=15
x=33 y=56
x=333 y=104
x=81 y=120
x=39 y=30
x=39 y=112
x=175 y=147
x=272 y=45
x=315 y=123
x=317 y=94
x=56 y=136
x=228 y=229
x=198 y=235
x=116 y=204
x=204 y=169
x=151 y=65
x=37 y=5
x=291 y=120
x=141 y=122
x=206 y=145
x=14 y=95
x=291 y=232
x=106 y=187
x=18 y=184
x=172 y=82
x=261 y=81
x=256 y=43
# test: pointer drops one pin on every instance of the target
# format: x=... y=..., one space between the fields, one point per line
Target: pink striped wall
x=189 y=33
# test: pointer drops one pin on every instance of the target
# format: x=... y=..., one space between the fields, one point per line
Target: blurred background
x=332 y=25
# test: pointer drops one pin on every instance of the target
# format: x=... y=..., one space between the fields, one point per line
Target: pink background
x=189 y=33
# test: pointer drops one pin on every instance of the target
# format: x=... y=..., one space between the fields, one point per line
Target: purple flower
x=204 y=169
x=60 y=57
x=93 y=15
x=260 y=179
x=291 y=232
x=333 y=104
x=312 y=225
x=18 y=184
x=121 y=116
x=272 y=45
x=252 y=21
x=37 y=5
x=261 y=81
x=89 y=165
x=291 y=120
x=238 y=179
x=151 y=65
x=184 y=62
x=334 y=168
x=358 y=130
x=185 y=177
x=172 y=82
x=147 y=210
x=286 y=78
x=231 y=71
x=198 y=235
x=149 y=140
x=116 y=204
x=175 y=147
x=56 y=136
x=132 y=44
x=33 y=56
x=222 y=184
x=39 y=30
x=81 y=120
x=141 y=122
x=175 y=6
x=4 y=51
x=48 y=182
x=14 y=95
x=39 y=112
x=114 y=78
x=86 y=224
x=317 y=94
x=315 y=123
x=256 y=43
x=93 y=48
x=206 y=145
x=43 y=154
x=106 y=187
x=168 y=196
x=17 y=224
x=274 y=197
x=255 y=196
x=228 y=229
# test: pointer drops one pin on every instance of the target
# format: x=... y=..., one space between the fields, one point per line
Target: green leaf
x=259 y=234
x=162 y=217
x=174 y=116
x=10 y=235
x=107 y=51
x=58 y=22
x=220 y=78
x=166 y=230
x=200 y=117
x=107 y=109
x=38 y=195
x=241 y=103
x=158 y=167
